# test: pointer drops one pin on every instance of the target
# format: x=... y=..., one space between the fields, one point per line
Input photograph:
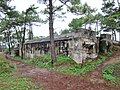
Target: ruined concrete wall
x=36 y=49
x=83 y=47
x=80 y=45
x=105 y=43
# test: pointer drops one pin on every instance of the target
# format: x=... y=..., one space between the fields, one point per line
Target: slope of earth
x=96 y=74
x=51 y=80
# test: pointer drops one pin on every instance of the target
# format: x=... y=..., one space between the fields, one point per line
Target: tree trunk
x=23 y=39
x=30 y=31
x=51 y=31
x=22 y=54
x=115 y=35
x=97 y=27
x=9 y=48
x=119 y=36
x=85 y=26
x=18 y=36
x=112 y=36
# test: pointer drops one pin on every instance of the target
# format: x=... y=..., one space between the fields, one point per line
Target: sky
x=59 y=25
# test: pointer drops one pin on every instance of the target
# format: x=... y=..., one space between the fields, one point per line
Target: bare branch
x=64 y=3
x=54 y=1
x=58 y=8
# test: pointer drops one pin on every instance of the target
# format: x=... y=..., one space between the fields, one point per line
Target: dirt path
x=51 y=80
x=96 y=74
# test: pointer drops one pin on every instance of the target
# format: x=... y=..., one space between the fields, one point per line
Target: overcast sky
x=43 y=30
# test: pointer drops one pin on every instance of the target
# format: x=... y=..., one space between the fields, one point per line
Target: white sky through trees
x=43 y=30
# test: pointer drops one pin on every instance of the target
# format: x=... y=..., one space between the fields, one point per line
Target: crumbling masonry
x=80 y=45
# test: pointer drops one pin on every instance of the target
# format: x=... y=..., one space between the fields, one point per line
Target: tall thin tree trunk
x=119 y=36
x=51 y=31
x=30 y=31
x=18 y=36
x=23 y=39
x=97 y=27
x=85 y=26
x=115 y=35
x=9 y=49
x=112 y=35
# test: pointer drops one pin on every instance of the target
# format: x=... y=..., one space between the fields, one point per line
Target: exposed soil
x=51 y=80
x=96 y=74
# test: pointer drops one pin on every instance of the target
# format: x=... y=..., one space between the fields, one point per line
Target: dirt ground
x=51 y=80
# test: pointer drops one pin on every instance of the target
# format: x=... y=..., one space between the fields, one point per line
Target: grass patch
x=9 y=81
x=116 y=48
x=19 y=58
x=77 y=69
x=45 y=60
x=41 y=61
x=111 y=72
x=65 y=64
x=12 y=82
x=5 y=66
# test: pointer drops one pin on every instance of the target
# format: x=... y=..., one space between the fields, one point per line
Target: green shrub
x=5 y=66
x=111 y=72
x=77 y=69
x=109 y=77
x=45 y=60
x=65 y=64
x=116 y=48
x=42 y=61
x=116 y=71
x=63 y=59
x=19 y=58
x=109 y=53
x=107 y=73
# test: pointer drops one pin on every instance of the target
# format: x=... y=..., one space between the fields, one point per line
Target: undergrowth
x=65 y=64
x=5 y=66
x=111 y=72
x=115 y=48
x=12 y=82
x=77 y=69
x=9 y=81
x=45 y=60
x=19 y=58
